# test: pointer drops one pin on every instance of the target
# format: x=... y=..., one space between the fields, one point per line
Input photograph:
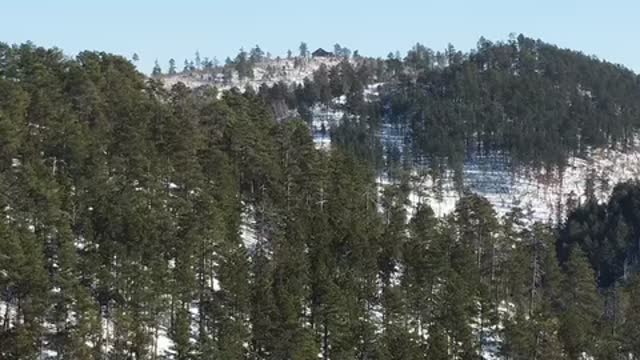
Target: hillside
x=377 y=209
x=509 y=139
x=266 y=72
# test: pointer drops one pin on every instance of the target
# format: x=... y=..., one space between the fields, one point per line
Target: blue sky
x=165 y=29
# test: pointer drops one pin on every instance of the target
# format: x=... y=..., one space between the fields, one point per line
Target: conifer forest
x=141 y=220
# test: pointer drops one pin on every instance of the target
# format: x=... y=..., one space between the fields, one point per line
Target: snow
x=537 y=192
x=107 y=331
x=172 y=186
x=194 y=311
x=491 y=340
x=49 y=354
x=342 y=100
x=371 y=92
x=163 y=344
x=322 y=142
x=267 y=72
x=3 y=308
x=584 y=92
x=544 y=192
x=324 y=118
x=247 y=228
x=11 y=312
x=541 y=194
x=80 y=243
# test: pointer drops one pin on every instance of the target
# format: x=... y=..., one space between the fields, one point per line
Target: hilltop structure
x=320 y=52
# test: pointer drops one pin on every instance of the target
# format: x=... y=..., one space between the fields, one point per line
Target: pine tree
x=477 y=227
x=583 y=307
x=438 y=343
x=351 y=292
x=198 y=61
x=293 y=336
x=25 y=288
x=321 y=82
x=425 y=262
x=263 y=306
x=157 y=70
x=125 y=208
x=396 y=341
x=519 y=338
x=304 y=50
x=630 y=331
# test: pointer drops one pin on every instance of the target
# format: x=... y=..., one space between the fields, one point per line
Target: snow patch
x=541 y=194
x=247 y=228
x=324 y=118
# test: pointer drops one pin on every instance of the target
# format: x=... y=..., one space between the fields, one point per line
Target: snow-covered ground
x=323 y=119
x=248 y=228
x=269 y=72
x=542 y=194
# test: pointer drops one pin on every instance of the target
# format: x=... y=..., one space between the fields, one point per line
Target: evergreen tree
x=304 y=50
x=629 y=331
x=198 y=61
x=582 y=307
x=157 y=70
x=425 y=263
x=140 y=222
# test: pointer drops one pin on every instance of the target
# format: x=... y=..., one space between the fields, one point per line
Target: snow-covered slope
x=268 y=72
x=543 y=194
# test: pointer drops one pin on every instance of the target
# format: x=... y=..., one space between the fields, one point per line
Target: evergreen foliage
x=136 y=218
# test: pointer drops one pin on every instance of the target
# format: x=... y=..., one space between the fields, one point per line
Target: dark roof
x=321 y=53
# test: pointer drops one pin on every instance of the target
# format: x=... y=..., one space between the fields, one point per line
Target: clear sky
x=165 y=29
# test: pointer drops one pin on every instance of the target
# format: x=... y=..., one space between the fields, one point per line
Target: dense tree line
x=132 y=213
x=533 y=100
x=526 y=98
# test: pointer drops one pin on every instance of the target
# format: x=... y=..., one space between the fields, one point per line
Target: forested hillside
x=140 y=222
x=534 y=101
